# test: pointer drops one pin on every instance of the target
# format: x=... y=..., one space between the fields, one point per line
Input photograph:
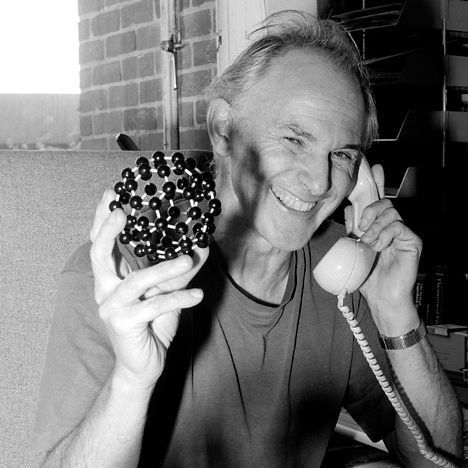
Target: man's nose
x=314 y=173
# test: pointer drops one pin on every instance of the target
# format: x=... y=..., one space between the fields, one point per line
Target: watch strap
x=404 y=341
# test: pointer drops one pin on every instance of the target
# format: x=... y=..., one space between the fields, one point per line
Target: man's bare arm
x=110 y=434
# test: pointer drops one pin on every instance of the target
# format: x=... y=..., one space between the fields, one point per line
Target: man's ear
x=219 y=124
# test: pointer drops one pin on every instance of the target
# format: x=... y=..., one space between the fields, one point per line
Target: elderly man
x=237 y=357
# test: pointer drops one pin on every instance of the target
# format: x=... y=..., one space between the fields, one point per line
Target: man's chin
x=290 y=243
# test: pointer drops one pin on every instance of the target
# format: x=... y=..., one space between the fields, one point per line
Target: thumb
x=102 y=212
x=102 y=259
x=379 y=177
x=348 y=216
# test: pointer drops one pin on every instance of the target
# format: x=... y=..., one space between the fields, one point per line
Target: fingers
x=383 y=225
x=181 y=281
x=199 y=258
x=153 y=279
x=374 y=221
x=103 y=244
x=150 y=309
x=102 y=212
x=379 y=177
x=375 y=210
x=102 y=260
x=138 y=316
x=398 y=231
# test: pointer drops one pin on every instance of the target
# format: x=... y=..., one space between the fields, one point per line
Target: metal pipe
x=170 y=44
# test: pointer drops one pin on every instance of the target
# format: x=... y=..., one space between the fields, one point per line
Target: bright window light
x=39 y=46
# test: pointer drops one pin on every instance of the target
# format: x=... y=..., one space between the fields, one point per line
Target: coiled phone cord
x=388 y=389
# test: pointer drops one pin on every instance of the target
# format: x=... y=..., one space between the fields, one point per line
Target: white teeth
x=290 y=201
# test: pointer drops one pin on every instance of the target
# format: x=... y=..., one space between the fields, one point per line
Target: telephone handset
x=348 y=263
x=342 y=271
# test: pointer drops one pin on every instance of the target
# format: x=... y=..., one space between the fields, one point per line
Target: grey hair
x=295 y=29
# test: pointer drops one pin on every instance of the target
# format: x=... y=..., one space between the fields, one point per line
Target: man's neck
x=256 y=267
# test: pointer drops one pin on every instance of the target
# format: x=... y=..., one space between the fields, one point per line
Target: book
x=420 y=297
x=435 y=296
x=438 y=296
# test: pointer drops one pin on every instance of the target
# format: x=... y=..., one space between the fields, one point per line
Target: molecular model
x=156 y=225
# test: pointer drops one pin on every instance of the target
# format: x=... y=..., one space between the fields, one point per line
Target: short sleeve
x=79 y=356
x=365 y=400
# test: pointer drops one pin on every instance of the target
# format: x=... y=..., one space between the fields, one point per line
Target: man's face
x=285 y=172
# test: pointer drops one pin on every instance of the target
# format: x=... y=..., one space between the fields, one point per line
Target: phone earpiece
x=363 y=194
x=348 y=263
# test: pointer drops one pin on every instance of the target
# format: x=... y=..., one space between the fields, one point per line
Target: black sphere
x=169 y=189
x=142 y=161
x=136 y=202
x=203 y=239
x=179 y=167
x=119 y=188
x=191 y=164
x=176 y=157
x=125 y=237
x=194 y=212
x=143 y=222
x=131 y=185
x=150 y=189
x=185 y=245
x=145 y=171
x=173 y=212
x=196 y=228
x=209 y=184
x=155 y=203
x=131 y=221
x=207 y=218
x=113 y=205
x=145 y=235
x=158 y=158
x=182 y=183
x=127 y=173
x=181 y=228
x=139 y=250
x=189 y=193
x=199 y=195
x=166 y=241
x=196 y=179
x=164 y=171
x=124 y=198
x=150 y=249
x=161 y=224
x=170 y=253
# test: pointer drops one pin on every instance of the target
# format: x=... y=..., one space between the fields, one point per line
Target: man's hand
x=390 y=285
x=140 y=309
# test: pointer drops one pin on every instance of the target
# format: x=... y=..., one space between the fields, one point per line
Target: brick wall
x=120 y=71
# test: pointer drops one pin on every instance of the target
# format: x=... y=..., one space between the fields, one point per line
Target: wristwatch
x=404 y=341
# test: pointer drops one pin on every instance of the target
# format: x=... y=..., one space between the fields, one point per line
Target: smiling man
x=237 y=358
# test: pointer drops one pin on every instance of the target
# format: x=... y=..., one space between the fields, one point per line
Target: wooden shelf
x=418 y=124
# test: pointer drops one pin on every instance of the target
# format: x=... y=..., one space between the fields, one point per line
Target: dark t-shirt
x=245 y=383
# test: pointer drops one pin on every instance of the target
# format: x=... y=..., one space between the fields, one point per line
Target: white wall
x=237 y=18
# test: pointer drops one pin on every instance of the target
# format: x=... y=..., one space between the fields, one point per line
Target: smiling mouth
x=290 y=201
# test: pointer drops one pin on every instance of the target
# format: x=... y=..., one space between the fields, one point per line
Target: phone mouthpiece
x=345 y=266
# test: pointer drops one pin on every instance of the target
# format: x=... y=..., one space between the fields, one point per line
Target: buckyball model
x=159 y=224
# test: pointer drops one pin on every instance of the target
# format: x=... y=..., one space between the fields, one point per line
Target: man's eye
x=345 y=155
x=293 y=141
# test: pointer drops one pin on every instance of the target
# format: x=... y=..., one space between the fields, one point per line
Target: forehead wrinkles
x=321 y=113
x=317 y=80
